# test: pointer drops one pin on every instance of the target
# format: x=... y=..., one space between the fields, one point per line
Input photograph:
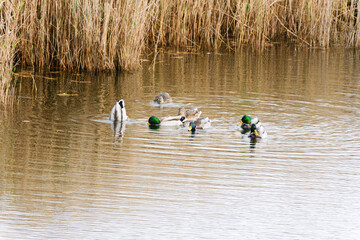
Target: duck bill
x=241 y=122
x=256 y=133
x=190 y=128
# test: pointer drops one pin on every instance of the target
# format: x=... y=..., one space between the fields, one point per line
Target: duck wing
x=171 y=121
x=202 y=123
x=262 y=132
x=192 y=113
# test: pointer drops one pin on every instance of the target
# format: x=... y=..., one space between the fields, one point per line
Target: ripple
x=69 y=173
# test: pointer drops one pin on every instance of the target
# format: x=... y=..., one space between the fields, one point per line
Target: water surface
x=65 y=174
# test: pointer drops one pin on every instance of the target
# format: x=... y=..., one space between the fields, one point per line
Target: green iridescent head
x=246 y=119
x=192 y=127
x=153 y=121
x=253 y=128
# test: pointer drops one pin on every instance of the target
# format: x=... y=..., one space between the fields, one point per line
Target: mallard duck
x=118 y=112
x=200 y=123
x=166 y=121
x=189 y=114
x=257 y=131
x=163 y=98
x=246 y=122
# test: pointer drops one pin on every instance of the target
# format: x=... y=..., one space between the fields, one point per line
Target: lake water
x=65 y=174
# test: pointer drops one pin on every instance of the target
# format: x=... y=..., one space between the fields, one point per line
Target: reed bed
x=99 y=35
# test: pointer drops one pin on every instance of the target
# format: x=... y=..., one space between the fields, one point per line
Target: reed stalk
x=113 y=35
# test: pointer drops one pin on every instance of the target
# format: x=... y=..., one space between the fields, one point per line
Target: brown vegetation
x=9 y=26
x=113 y=34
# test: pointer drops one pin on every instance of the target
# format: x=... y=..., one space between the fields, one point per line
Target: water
x=65 y=174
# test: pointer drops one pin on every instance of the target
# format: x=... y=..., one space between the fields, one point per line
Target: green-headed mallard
x=163 y=98
x=257 y=131
x=118 y=112
x=200 y=123
x=246 y=122
x=166 y=121
x=189 y=114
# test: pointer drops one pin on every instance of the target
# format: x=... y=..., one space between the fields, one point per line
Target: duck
x=163 y=97
x=246 y=122
x=166 y=121
x=257 y=131
x=200 y=123
x=189 y=114
x=118 y=112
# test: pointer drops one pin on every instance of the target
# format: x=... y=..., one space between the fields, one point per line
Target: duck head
x=160 y=100
x=254 y=131
x=153 y=121
x=181 y=111
x=192 y=127
x=182 y=119
x=245 y=119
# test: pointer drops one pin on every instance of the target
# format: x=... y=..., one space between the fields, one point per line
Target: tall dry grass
x=9 y=27
x=85 y=34
x=114 y=34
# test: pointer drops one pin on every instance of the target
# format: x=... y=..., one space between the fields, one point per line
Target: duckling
x=166 y=121
x=200 y=123
x=189 y=114
x=257 y=132
x=118 y=112
x=246 y=122
x=163 y=98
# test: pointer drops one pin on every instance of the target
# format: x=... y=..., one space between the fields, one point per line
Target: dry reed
x=9 y=26
x=114 y=34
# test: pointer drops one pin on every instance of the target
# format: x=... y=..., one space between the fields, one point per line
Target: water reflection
x=118 y=128
x=154 y=127
x=63 y=176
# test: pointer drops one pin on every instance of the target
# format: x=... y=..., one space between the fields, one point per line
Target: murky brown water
x=66 y=175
